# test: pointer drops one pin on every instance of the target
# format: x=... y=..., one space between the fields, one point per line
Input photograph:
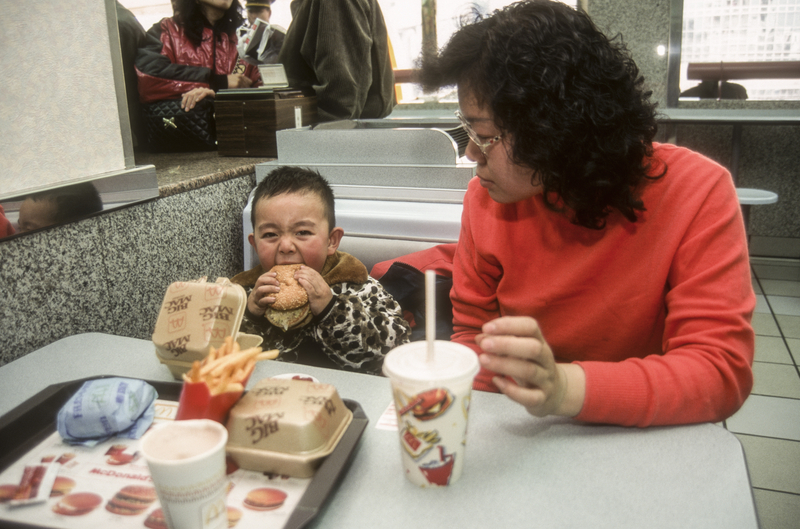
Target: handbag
x=172 y=129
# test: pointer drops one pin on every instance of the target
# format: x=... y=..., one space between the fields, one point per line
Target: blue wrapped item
x=106 y=408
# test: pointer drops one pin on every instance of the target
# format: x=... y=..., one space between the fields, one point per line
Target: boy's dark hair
x=289 y=179
x=571 y=101
x=189 y=16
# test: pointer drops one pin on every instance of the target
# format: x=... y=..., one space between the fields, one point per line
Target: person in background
x=258 y=9
x=192 y=54
x=261 y=9
x=131 y=37
x=341 y=49
x=57 y=206
x=598 y=275
x=713 y=89
x=6 y=229
x=355 y=321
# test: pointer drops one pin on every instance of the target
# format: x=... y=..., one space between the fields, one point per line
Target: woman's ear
x=334 y=239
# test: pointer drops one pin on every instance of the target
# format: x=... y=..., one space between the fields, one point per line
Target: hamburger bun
x=61 y=486
x=156 y=520
x=290 y=309
x=264 y=499
x=131 y=500
x=7 y=492
x=120 y=458
x=77 y=504
x=234 y=515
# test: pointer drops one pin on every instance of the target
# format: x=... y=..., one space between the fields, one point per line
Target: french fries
x=227 y=368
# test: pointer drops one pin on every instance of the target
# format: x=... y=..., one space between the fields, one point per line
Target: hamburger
x=77 y=504
x=264 y=499
x=290 y=309
x=61 y=486
x=7 y=492
x=234 y=515
x=132 y=500
x=156 y=520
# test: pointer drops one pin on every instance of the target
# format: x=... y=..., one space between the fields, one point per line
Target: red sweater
x=657 y=312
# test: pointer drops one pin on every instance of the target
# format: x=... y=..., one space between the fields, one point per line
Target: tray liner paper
x=104 y=469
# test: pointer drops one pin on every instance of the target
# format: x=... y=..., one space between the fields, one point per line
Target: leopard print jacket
x=361 y=325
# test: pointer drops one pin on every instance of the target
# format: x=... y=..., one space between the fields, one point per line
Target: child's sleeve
x=363 y=325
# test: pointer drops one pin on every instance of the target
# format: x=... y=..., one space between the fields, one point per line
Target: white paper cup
x=432 y=403
x=187 y=463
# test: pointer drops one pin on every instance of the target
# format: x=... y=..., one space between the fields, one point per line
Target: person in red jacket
x=6 y=228
x=193 y=54
x=598 y=274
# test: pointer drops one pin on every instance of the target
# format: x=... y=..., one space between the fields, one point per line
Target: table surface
x=520 y=471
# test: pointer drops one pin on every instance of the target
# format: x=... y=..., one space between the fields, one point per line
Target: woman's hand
x=190 y=98
x=319 y=292
x=239 y=80
x=515 y=347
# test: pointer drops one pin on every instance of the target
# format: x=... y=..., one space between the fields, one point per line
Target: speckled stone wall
x=643 y=26
x=109 y=273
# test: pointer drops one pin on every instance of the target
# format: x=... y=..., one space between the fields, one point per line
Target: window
x=404 y=23
x=403 y=20
x=743 y=31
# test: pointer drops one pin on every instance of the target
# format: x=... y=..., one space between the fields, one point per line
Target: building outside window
x=743 y=31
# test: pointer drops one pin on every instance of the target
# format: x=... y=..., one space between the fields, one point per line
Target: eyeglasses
x=476 y=139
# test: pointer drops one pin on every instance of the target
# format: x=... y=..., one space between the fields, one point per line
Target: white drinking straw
x=430 y=311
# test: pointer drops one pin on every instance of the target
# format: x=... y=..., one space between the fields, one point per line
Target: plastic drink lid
x=409 y=362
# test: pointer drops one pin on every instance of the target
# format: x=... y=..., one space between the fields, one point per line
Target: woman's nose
x=473 y=152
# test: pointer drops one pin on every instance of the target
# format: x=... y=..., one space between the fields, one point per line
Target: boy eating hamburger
x=315 y=304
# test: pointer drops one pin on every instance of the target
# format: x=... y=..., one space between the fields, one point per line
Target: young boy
x=355 y=321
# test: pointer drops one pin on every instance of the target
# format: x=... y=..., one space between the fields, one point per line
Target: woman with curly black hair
x=192 y=54
x=598 y=274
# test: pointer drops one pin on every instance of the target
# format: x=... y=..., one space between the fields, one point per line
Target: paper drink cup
x=432 y=403
x=187 y=463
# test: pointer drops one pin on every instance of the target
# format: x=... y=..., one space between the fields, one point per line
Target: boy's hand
x=263 y=293
x=319 y=292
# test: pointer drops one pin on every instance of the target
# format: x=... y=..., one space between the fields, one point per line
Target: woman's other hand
x=514 y=346
x=190 y=98
x=239 y=80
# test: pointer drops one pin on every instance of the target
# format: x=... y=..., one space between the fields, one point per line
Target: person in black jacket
x=131 y=38
x=340 y=48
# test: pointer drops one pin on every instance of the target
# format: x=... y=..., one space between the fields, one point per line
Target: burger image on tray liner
x=77 y=504
x=264 y=499
x=132 y=500
x=291 y=309
x=61 y=486
x=7 y=492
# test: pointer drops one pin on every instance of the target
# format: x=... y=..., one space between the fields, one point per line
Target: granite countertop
x=179 y=172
